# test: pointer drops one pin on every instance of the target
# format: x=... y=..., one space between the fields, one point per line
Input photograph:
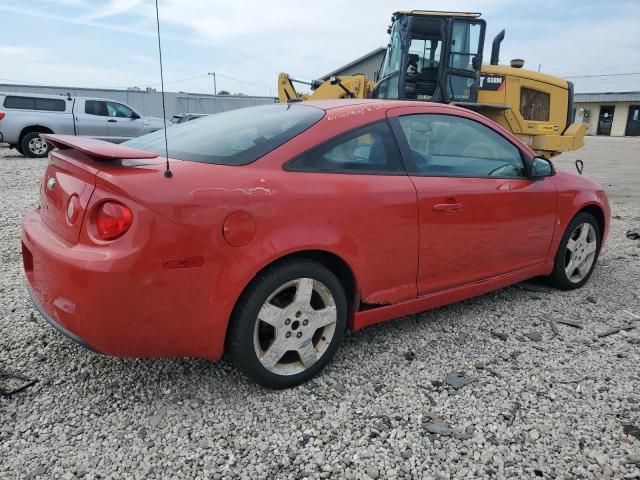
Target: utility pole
x=215 y=88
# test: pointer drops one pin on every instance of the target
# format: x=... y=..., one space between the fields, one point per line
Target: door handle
x=447 y=207
x=111 y=120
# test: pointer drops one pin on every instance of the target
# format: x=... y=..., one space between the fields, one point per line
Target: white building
x=616 y=113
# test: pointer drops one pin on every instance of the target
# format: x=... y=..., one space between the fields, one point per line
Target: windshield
x=389 y=83
x=236 y=137
x=393 y=57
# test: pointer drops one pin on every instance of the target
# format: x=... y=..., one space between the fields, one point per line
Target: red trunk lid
x=62 y=180
x=71 y=172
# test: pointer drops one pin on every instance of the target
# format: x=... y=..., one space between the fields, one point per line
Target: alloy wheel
x=580 y=253
x=295 y=326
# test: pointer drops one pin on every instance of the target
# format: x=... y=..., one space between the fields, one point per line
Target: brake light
x=2 y=115
x=112 y=220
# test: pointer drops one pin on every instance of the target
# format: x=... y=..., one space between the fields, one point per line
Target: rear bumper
x=56 y=325
x=118 y=299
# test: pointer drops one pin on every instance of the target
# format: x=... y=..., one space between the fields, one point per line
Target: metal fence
x=150 y=103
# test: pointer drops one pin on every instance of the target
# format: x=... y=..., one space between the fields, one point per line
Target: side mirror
x=476 y=63
x=541 y=168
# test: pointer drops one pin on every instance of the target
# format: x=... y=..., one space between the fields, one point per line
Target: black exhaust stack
x=495 y=48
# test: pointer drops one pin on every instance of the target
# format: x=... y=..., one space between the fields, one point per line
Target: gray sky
x=112 y=43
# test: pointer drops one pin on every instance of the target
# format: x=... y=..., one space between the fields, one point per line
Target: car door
x=357 y=185
x=91 y=118
x=123 y=123
x=481 y=215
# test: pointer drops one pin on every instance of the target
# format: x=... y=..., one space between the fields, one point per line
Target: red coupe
x=281 y=226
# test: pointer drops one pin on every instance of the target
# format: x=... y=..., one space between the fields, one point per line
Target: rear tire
x=288 y=324
x=34 y=146
x=577 y=253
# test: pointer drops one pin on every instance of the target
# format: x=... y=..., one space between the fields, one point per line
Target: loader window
x=423 y=67
x=465 y=41
x=534 y=105
x=393 y=57
x=424 y=53
x=389 y=84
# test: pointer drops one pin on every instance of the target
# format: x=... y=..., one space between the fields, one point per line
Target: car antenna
x=167 y=172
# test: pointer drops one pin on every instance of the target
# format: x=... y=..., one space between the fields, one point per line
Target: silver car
x=24 y=116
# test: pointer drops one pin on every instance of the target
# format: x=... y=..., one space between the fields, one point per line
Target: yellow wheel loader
x=437 y=57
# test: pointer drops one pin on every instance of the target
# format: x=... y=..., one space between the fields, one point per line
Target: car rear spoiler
x=97 y=149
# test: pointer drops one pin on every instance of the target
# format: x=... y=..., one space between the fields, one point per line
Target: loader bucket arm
x=286 y=90
x=345 y=86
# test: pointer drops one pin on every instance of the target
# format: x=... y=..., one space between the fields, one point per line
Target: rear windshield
x=35 y=103
x=236 y=137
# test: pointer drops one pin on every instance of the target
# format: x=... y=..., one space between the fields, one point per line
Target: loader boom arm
x=348 y=86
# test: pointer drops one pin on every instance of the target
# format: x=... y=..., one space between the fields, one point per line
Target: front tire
x=577 y=253
x=288 y=324
x=34 y=146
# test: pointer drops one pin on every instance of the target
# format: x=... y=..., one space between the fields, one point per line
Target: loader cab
x=432 y=56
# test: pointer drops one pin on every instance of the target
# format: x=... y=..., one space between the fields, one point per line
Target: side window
x=119 y=110
x=35 y=103
x=534 y=105
x=465 y=41
x=446 y=145
x=95 y=107
x=51 y=104
x=367 y=149
x=23 y=103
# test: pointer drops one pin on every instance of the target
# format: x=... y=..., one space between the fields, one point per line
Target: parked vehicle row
x=283 y=225
x=23 y=117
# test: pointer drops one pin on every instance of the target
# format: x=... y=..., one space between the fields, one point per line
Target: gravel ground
x=540 y=406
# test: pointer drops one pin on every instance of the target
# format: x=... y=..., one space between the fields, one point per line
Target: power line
x=241 y=81
x=602 y=75
x=203 y=76
x=166 y=83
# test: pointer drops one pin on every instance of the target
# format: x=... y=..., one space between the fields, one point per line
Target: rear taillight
x=2 y=115
x=112 y=220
